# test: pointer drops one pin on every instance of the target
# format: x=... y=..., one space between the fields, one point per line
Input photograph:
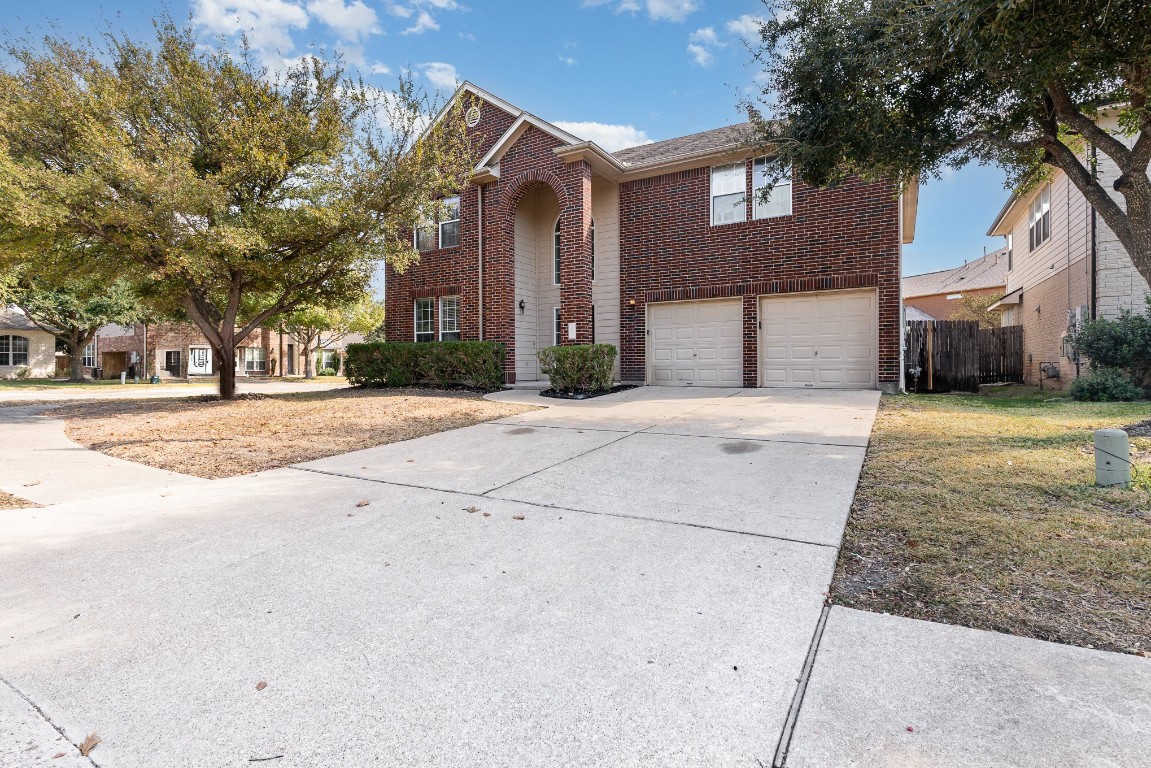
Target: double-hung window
x=255 y=359
x=13 y=350
x=450 y=223
x=424 y=235
x=89 y=358
x=778 y=200
x=556 y=254
x=558 y=327
x=425 y=319
x=728 y=194
x=1040 y=223
x=450 y=318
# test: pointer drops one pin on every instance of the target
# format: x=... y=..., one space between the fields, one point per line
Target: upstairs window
x=450 y=223
x=424 y=235
x=1040 y=223
x=450 y=318
x=13 y=350
x=728 y=194
x=425 y=321
x=556 y=254
x=778 y=202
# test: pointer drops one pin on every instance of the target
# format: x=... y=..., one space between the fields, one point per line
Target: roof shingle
x=990 y=271
x=695 y=144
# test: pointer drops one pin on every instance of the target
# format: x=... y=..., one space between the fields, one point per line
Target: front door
x=172 y=362
x=291 y=361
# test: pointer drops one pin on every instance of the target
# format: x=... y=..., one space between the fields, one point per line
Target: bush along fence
x=578 y=368
x=945 y=355
x=477 y=364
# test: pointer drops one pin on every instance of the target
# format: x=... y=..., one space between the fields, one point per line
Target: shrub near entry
x=579 y=367
x=1105 y=385
x=437 y=363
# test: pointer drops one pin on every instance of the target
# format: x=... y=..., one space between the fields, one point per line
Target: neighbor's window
x=255 y=359
x=728 y=194
x=329 y=358
x=778 y=201
x=425 y=322
x=1041 y=218
x=558 y=327
x=89 y=359
x=450 y=223
x=556 y=254
x=450 y=318
x=591 y=235
x=13 y=350
x=424 y=235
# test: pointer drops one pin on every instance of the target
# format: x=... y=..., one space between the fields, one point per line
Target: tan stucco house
x=1064 y=266
x=26 y=350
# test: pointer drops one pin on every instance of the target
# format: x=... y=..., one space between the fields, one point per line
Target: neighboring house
x=1065 y=265
x=664 y=251
x=26 y=350
x=937 y=294
x=179 y=350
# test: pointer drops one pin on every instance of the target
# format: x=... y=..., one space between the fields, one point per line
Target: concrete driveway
x=636 y=580
x=633 y=580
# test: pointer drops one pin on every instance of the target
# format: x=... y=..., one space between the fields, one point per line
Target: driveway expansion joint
x=36 y=708
x=781 y=750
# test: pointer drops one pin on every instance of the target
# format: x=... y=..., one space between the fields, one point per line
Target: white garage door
x=696 y=343
x=819 y=340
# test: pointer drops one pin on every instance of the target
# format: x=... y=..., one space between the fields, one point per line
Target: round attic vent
x=472 y=116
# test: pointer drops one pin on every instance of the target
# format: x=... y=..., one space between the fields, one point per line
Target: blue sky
x=624 y=71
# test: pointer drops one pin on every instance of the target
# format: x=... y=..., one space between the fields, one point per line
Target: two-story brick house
x=1065 y=265
x=663 y=250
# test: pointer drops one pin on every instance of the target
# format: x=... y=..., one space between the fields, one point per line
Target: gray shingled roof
x=11 y=320
x=990 y=271
x=696 y=143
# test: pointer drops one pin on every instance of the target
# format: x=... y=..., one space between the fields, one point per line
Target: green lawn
x=981 y=510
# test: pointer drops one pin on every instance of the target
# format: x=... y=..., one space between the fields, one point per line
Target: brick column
x=575 y=253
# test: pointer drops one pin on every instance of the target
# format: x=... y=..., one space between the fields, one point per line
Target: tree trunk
x=228 y=363
x=77 y=341
x=309 y=363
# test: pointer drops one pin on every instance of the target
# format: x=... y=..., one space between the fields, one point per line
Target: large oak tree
x=228 y=193
x=903 y=88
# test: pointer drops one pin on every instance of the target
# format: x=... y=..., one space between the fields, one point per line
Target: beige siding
x=41 y=355
x=605 y=290
x=535 y=222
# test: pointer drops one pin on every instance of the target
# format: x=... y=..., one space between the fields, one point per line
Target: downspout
x=1094 y=244
x=480 y=256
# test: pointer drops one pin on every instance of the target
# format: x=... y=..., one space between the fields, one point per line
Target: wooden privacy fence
x=957 y=355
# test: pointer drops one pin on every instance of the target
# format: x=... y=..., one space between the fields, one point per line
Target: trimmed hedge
x=435 y=363
x=1105 y=385
x=578 y=367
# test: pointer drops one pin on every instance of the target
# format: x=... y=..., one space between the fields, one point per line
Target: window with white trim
x=778 y=202
x=557 y=327
x=728 y=194
x=1040 y=222
x=255 y=359
x=591 y=237
x=450 y=223
x=424 y=234
x=89 y=358
x=425 y=319
x=330 y=358
x=13 y=350
x=450 y=318
x=556 y=254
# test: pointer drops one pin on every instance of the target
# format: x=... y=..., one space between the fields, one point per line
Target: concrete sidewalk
x=149 y=392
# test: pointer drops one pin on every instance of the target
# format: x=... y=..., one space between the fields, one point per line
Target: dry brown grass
x=210 y=438
x=983 y=512
x=8 y=501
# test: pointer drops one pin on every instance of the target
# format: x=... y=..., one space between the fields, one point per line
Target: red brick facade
x=179 y=337
x=845 y=237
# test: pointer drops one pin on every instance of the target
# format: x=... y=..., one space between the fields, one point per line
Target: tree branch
x=1071 y=116
x=1067 y=161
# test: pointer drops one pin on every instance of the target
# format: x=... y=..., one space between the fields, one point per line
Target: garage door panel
x=696 y=343
x=819 y=340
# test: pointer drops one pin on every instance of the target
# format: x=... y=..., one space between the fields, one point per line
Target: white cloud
x=351 y=22
x=701 y=55
x=424 y=22
x=705 y=36
x=441 y=75
x=746 y=26
x=657 y=10
x=610 y=137
x=402 y=11
x=268 y=23
x=571 y=61
x=380 y=68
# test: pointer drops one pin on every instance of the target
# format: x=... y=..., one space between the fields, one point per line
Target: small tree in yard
x=317 y=328
x=978 y=308
x=900 y=89
x=230 y=195
x=72 y=308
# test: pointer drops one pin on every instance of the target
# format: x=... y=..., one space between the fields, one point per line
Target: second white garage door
x=696 y=343
x=819 y=340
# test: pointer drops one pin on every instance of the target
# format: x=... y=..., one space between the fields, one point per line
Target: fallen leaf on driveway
x=58 y=755
x=487 y=514
x=89 y=744
x=471 y=509
x=363 y=503
x=910 y=729
x=261 y=685
x=34 y=482
x=517 y=517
